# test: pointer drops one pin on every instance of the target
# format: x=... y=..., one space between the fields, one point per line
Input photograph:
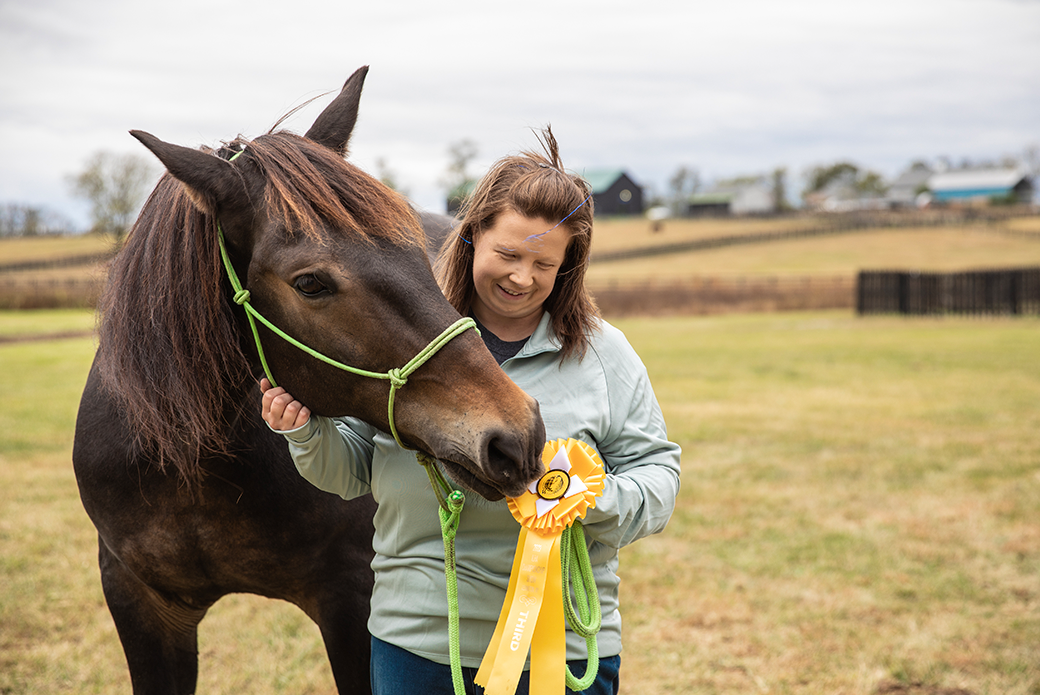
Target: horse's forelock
x=313 y=189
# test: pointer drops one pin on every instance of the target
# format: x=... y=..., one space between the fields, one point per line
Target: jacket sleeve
x=642 y=465
x=334 y=455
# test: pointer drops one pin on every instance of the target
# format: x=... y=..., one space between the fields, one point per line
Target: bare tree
x=1031 y=159
x=780 y=203
x=457 y=180
x=28 y=220
x=682 y=184
x=116 y=186
x=388 y=177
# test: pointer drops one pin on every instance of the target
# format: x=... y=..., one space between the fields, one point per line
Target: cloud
x=729 y=88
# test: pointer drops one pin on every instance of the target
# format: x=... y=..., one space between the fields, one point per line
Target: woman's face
x=515 y=262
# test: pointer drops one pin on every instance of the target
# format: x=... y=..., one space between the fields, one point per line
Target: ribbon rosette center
x=556 y=484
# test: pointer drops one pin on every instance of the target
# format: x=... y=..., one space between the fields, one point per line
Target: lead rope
x=590 y=617
x=585 y=622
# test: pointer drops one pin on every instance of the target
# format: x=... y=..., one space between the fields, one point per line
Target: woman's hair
x=534 y=185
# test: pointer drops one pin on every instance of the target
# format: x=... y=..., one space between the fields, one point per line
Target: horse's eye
x=309 y=286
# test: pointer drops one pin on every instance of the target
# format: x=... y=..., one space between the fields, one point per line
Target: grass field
x=41 y=248
x=622 y=233
x=859 y=514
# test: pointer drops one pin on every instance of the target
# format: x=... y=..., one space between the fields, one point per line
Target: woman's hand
x=280 y=410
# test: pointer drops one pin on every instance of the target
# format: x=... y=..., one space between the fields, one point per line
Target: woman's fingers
x=280 y=410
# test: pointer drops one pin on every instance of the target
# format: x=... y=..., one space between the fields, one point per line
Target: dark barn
x=614 y=192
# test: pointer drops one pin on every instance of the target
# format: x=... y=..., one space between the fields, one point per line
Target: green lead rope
x=585 y=621
x=589 y=618
x=449 y=527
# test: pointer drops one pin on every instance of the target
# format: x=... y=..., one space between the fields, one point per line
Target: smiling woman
x=517 y=265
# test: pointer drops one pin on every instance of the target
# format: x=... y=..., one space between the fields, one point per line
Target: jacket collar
x=542 y=340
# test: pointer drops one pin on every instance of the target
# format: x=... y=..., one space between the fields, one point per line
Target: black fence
x=978 y=293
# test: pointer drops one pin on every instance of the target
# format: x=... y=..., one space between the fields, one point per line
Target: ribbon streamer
x=532 y=617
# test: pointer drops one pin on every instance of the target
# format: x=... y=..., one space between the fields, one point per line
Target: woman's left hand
x=280 y=410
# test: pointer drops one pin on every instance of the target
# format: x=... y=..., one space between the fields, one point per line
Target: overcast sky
x=730 y=88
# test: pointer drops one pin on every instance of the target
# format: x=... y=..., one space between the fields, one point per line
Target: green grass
x=860 y=505
x=14 y=324
x=861 y=502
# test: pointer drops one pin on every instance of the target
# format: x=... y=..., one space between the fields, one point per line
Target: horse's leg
x=159 y=634
x=341 y=613
x=349 y=654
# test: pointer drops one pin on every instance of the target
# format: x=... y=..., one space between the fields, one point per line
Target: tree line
x=115 y=186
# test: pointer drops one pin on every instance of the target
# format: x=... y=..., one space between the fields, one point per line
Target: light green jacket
x=605 y=400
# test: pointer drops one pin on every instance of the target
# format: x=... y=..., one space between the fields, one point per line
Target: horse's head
x=336 y=260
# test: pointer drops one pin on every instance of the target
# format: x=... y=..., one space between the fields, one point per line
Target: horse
x=192 y=495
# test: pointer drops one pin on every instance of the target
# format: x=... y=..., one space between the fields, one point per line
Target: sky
x=732 y=88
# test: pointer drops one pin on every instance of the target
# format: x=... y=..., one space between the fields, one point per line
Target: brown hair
x=532 y=184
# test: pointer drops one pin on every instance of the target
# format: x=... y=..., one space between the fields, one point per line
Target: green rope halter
x=396 y=377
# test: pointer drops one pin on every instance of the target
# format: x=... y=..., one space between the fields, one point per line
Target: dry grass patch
x=621 y=233
x=44 y=248
x=921 y=248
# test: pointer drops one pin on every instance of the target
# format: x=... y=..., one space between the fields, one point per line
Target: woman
x=517 y=265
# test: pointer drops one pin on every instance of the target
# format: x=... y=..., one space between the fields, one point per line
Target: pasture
x=859 y=514
x=964 y=246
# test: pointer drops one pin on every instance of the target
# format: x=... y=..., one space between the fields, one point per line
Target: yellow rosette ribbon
x=532 y=616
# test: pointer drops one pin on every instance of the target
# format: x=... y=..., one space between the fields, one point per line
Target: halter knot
x=397 y=378
x=241 y=297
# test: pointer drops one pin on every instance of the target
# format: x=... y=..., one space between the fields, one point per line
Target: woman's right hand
x=280 y=410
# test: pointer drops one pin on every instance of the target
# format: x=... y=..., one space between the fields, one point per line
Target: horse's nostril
x=506 y=463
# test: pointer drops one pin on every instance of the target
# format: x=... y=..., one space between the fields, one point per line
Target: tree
x=844 y=175
x=457 y=180
x=116 y=186
x=682 y=184
x=821 y=177
x=1031 y=159
x=388 y=177
x=780 y=203
x=26 y=220
x=871 y=183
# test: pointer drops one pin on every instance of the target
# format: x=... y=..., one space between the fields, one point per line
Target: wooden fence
x=697 y=295
x=981 y=292
x=62 y=262
x=65 y=293
x=716 y=295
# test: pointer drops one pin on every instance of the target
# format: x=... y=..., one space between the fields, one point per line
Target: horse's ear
x=333 y=127
x=211 y=182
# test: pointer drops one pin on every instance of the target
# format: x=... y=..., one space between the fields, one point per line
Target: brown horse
x=192 y=495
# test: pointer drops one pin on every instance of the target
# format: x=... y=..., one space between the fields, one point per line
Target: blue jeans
x=397 y=671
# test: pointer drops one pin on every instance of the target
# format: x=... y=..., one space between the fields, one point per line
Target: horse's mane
x=169 y=348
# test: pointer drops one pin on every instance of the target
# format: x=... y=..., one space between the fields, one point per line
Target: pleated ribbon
x=532 y=617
